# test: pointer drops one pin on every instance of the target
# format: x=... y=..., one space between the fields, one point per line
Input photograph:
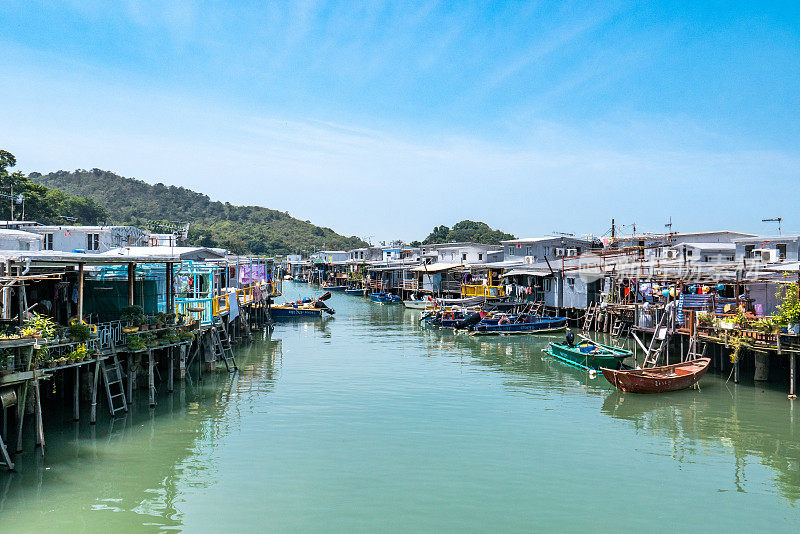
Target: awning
x=437 y=267
x=527 y=272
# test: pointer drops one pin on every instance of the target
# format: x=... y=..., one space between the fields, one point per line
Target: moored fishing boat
x=588 y=354
x=658 y=379
x=333 y=287
x=302 y=308
x=283 y=311
x=384 y=298
x=355 y=291
x=418 y=304
x=518 y=324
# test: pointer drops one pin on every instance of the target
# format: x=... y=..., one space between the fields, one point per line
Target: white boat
x=288 y=277
x=417 y=304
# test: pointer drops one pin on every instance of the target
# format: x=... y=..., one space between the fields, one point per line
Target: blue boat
x=385 y=298
x=332 y=287
x=289 y=311
x=354 y=291
x=519 y=324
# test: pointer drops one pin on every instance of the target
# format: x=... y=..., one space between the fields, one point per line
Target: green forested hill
x=219 y=224
x=467 y=231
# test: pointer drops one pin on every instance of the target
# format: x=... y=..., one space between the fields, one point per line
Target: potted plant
x=132 y=315
x=789 y=308
x=705 y=320
x=40 y=326
x=80 y=332
x=135 y=342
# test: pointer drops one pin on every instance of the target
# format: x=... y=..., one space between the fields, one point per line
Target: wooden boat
x=658 y=379
x=417 y=304
x=353 y=291
x=530 y=324
x=302 y=308
x=284 y=311
x=333 y=287
x=384 y=298
x=588 y=355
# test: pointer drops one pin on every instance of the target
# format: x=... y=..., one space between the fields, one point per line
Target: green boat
x=588 y=355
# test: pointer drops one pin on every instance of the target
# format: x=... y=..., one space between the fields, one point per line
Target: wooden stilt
x=76 y=391
x=95 y=383
x=38 y=413
x=21 y=402
x=130 y=379
x=792 y=377
x=171 y=382
x=151 y=378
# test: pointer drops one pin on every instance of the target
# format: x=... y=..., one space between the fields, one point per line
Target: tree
x=42 y=203
x=467 y=231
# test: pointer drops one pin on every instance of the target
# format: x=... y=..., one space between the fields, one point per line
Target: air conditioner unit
x=671 y=254
x=528 y=259
x=767 y=255
x=559 y=252
x=572 y=252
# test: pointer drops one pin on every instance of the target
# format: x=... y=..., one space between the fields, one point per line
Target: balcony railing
x=481 y=291
x=196 y=309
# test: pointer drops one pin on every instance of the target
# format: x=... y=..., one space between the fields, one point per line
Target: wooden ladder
x=221 y=344
x=619 y=328
x=591 y=311
x=5 y=459
x=112 y=378
x=661 y=336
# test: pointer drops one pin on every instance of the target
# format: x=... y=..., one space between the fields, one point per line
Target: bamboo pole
x=80 y=293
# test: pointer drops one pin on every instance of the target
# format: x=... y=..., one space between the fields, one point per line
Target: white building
x=20 y=240
x=90 y=239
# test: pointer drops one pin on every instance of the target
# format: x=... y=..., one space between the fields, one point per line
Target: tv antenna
x=668 y=226
x=775 y=219
x=564 y=233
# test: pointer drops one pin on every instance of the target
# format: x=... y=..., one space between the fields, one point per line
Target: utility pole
x=613 y=229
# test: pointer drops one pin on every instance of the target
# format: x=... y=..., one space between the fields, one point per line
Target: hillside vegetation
x=467 y=231
x=37 y=202
x=242 y=229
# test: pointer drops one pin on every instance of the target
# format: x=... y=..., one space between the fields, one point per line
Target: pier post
x=38 y=413
x=130 y=379
x=761 y=371
x=76 y=394
x=21 y=402
x=171 y=372
x=736 y=369
x=151 y=379
x=95 y=382
x=792 y=377
x=182 y=362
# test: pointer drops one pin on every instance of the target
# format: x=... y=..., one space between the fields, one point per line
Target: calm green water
x=369 y=422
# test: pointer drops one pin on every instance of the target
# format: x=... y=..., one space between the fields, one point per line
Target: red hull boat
x=658 y=379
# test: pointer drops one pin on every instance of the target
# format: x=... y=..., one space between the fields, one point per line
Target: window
x=571 y=283
x=480 y=257
x=92 y=241
x=546 y=251
x=548 y=284
x=464 y=257
x=528 y=250
x=48 y=241
x=781 y=251
x=511 y=251
x=689 y=253
x=748 y=251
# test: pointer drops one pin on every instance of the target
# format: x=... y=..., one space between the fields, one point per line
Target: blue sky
x=385 y=119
